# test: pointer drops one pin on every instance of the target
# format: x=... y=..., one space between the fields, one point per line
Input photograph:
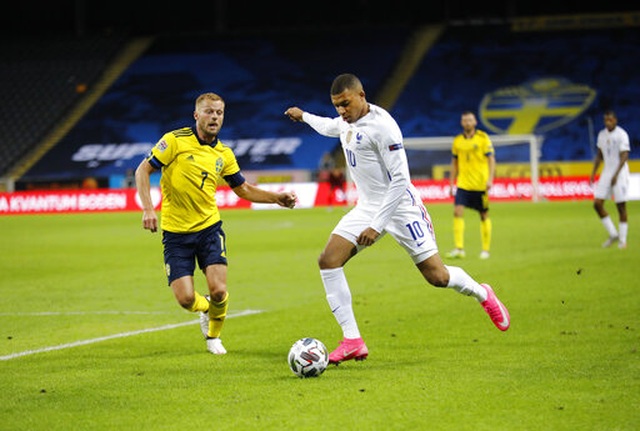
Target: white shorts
x=619 y=192
x=410 y=226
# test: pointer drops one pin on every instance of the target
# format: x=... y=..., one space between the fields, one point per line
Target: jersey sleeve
x=625 y=145
x=488 y=145
x=235 y=180
x=454 y=146
x=231 y=165
x=323 y=125
x=164 y=151
x=231 y=169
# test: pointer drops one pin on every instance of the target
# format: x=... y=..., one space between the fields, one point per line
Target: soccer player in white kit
x=387 y=203
x=613 y=150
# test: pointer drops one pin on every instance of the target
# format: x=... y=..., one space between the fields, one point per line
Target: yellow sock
x=199 y=304
x=485 y=233
x=458 y=232
x=217 y=314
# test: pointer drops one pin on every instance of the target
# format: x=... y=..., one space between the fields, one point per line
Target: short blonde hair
x=208 y=96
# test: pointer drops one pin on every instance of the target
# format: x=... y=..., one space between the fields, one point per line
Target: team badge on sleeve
x=394 y=147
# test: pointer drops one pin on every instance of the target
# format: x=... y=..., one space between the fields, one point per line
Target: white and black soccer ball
x=308 y=357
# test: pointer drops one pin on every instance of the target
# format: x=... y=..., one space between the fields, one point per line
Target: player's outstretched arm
x=256 y=194
x=294 y=113
x=324 y=125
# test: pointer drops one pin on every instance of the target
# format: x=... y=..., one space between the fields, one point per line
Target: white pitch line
x=114 y=336
x=79 y=313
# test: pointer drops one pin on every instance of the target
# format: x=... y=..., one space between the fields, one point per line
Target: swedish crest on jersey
x=219 y=165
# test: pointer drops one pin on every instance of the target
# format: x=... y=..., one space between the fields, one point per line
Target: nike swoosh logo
x=420 y=244
x=347 y=353
x=505 y=320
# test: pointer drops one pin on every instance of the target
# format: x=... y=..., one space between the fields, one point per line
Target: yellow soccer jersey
x=190 y=176
x=473 y=163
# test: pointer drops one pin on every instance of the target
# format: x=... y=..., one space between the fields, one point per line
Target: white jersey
x=376 y=160
x=612 y=143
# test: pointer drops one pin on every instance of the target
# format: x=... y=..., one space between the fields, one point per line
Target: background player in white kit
x=387 y=202
x=613 y=150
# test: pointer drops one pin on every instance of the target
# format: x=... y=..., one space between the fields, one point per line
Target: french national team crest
x=349 y=134
x=536 y=106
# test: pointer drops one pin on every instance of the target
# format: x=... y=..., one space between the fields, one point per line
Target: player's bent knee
x=186 y=302
x=218 y=295
x=326 y=261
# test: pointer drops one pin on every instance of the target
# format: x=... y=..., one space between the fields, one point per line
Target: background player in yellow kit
x=194 y=162
x=473 y=165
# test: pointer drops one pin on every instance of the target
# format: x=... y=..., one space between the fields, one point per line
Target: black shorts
x=476 y=200
x=182 y=250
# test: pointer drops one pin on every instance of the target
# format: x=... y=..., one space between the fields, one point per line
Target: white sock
x=609 y=226
x=623 y=228
x=339 y=299
x=462 y=283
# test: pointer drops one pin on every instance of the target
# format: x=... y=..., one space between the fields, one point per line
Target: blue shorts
x=477 y=200
x=181 y=250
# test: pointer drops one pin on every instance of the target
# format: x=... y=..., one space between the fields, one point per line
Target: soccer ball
x=308 y=357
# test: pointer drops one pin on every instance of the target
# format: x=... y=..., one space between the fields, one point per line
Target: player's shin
x=485 y=234
x=339 y=299
x=458 y=232
x=217 y=315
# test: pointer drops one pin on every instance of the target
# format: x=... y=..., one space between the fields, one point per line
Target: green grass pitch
x=92 y=339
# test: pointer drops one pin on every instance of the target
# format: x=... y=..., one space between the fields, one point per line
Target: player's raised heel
x=496 y=310
x=349 y=348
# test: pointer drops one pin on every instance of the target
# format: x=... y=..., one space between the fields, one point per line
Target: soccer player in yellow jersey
x=193 y=162
x=473 y=165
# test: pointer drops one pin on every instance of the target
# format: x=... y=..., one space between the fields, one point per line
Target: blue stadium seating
x=551 y=71
x=40 y=81
x=260 y=76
